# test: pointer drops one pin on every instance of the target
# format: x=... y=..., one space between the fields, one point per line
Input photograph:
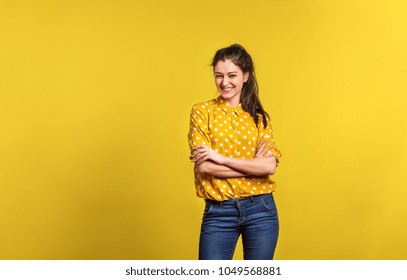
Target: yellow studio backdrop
x=95 y=99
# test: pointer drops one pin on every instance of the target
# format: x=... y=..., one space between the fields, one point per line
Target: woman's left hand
x=203 y=153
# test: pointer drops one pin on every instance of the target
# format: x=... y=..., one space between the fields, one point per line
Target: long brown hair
x=250 y=92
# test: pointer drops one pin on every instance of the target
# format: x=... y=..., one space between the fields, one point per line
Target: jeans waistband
x=234 y=201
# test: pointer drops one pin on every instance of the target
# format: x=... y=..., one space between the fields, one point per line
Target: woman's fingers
x=202 y=159
x=200 y=154
x=198 y=150
x=267 y=149
x=260 y=148
x=262 y=145
x=197 y=156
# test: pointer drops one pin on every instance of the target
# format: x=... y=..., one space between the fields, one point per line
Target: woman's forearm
x=218 y=170
x=256 y=166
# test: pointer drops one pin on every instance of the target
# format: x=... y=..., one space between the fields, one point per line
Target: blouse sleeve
x=198 y=128
x=267 y=134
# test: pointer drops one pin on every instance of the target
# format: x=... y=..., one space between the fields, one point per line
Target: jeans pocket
x=269 y=204
x=208 y=209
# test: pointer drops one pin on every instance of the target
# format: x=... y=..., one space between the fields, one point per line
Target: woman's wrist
x=224 y=160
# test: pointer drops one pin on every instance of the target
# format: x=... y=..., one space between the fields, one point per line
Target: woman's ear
x=246 y=76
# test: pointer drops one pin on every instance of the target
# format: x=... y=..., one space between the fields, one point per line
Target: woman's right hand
x=262 y=149
x=203 y=153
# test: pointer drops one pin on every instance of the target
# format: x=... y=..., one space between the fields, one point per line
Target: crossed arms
x=208 y=161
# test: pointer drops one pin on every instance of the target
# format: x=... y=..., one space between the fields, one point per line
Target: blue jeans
x=254 y=217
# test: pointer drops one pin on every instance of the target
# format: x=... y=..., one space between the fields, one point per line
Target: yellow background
x=94 y=112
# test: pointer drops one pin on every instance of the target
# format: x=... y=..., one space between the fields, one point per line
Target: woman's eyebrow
x=233 y=72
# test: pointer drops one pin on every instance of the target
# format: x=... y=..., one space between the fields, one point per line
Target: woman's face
x=229 y=80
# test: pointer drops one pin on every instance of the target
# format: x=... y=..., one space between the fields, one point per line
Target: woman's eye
x=232 y=76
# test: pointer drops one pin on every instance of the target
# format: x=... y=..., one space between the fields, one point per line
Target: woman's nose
x=225 y=82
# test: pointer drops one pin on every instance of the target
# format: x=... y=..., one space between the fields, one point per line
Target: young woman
x=234 y=152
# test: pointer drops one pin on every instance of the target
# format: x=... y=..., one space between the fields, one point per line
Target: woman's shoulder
x=204 y=105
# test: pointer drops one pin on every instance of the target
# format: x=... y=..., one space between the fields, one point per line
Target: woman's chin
x=229 y=95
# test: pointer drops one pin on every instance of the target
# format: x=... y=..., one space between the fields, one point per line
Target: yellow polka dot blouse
x=231 y=132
